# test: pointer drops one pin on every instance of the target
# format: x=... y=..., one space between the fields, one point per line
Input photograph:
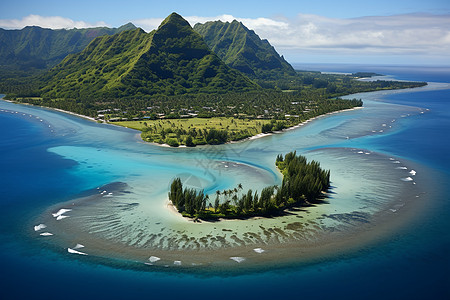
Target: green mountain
x=171 y=60
x=36 y=47
x=243 y=50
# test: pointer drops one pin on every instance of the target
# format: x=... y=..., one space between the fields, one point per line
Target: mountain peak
x=243 y=50
x=174 y=19
x=171 y=60
x=128 y=26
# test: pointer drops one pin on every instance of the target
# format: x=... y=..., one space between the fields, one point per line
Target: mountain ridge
x=243 y=50
x=41 y=48
x=173 y=59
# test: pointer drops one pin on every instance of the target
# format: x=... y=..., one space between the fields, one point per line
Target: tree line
x=303 y=183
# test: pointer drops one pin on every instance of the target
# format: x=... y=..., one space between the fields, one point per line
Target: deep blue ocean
x=412 y=263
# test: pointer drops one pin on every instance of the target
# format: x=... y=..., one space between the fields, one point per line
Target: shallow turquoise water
x=44 y=165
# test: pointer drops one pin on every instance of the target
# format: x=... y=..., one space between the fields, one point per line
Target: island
x=303 y=183
x=178 y=85
x=189 y=86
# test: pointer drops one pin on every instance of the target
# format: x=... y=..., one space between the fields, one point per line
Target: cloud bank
x=407 y=34
x=426 y=35
x=46 y=22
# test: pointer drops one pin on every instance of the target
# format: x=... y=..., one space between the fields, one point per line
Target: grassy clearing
x=218 y=123
x=196 y=131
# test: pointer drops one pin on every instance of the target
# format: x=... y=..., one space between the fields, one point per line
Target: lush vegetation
x=171 y=73
x=232 y=123
x=243 y=50
x=303 y=183
x=171 y=60
x=39 y=48
x=197 y=131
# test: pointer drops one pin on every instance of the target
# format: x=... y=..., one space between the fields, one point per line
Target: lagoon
x=62 y=160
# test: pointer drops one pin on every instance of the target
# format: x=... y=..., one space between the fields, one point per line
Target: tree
x=224 y=207
x=216 y=203
x=176 y=193
x=189 y=142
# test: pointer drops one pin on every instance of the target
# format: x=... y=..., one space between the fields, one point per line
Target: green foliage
x=39 y=48
x=303 y=183
x=243 y=50
x=173 y=142
x=172 y=60
x=301 y=179
x=171 y=72
x=273 y=126
x=189 y=141
x=215 y=137
x=187 y=201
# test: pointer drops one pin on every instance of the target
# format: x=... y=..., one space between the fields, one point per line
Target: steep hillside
x=172 y=60
x=243 y=50
x=36 y=47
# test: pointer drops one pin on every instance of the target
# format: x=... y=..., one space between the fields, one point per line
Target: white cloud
x=409 y=34
x=148 y=24
x=268 y=24
x=54 y=22
x=413 y=33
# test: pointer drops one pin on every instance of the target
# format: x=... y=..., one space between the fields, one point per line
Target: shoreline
x=248 y=258
x=72 y=113
x=54 y=109
x=254 y=137
x=311 y=242
x=321 y=247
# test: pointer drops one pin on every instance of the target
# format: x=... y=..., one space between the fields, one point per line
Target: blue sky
x=347 y=31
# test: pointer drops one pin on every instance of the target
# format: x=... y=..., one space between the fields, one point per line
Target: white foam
x=393 y=210
x=61 y=212
x=396 y=162
x=154 y=259
x=177 y=262
x=237 y=259
x=259 y=250
x=78 y=246
x=39 y=227
x=46 y=234
x=60 y=217
x=70 y=250
x=407 y=179
x=360 y=152
x=412 y=172
x=402 y=168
